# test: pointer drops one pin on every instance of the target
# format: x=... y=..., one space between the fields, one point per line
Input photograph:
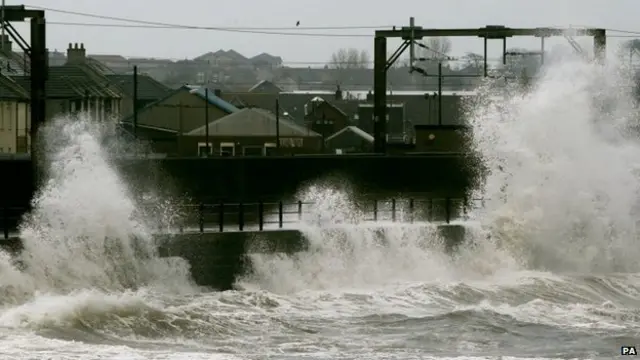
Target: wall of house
x=334 y=119
x=14 y=120
x=101 y=109
x=182 y=111
x=127 y=105
x=348 y=142
x=189 y=145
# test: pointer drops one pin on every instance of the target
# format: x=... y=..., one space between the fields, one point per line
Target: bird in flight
x=298 y=23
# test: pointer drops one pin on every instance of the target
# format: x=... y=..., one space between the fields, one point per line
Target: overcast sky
x=180 y=44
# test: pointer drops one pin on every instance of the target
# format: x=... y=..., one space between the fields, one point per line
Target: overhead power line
x=284 y=31
x=249 y=30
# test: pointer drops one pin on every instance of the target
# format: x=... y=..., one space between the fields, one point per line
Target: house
x=252 y=132
x=149 y=91
x=350 y=139
x=323 y=117
x=110 y=63
x=183 y=110
x=398 y=129
x=265 y=86
x=12 y=62
x=265 y=60
x=222 y=58
x=78 y=86
x=291 y=104
x=14 y=117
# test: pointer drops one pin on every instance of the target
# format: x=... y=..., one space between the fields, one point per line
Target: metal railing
x=260 y=216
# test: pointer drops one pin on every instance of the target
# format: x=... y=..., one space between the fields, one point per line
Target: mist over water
x=547 y=269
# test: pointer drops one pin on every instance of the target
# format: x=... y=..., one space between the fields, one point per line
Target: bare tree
x=438 y=48
x=350 y=58
x=473 y=60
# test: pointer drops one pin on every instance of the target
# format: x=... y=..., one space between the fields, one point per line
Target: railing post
x=299 y=210
x=393 y=210
x=411 y=210
x=465 y=207
x=260 y=216
x=201 y=217
x=280 y=214
x=5 y=222
x=221 y=216
x=240 y=216
x=375 y=210
x=447 y=209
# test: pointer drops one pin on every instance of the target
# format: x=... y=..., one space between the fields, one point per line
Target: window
x=227 y=149
x=269 y=149
x=204 y=150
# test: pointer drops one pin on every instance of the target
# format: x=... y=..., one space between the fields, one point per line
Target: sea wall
x=217 y=259
x=277 y=177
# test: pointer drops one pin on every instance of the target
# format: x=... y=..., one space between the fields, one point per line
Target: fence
x=260 y=216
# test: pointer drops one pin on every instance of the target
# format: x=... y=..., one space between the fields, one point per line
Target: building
x=265 y=86
x=398 y=129
x=350 y=139
x=251 y=132
x=183 y=110
x=323 y=117
x=14 y=117
x=149 y=91
x=79 y=86
x=225 y=59
x=11 y=61
x=265 y=60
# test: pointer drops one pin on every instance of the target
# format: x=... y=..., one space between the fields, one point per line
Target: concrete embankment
x=218 y=259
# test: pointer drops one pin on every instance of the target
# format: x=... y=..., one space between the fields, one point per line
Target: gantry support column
x=38 y=58
x=600 y=44
x=380 y=95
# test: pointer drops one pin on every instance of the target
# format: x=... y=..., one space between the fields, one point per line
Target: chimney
x=5 y=42
x=338 y=93
x=76 y=55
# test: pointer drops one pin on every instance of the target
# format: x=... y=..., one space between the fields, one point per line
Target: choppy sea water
x=523 y=315
x=548 y=270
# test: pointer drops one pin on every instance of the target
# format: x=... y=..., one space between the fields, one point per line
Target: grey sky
x=615 y=14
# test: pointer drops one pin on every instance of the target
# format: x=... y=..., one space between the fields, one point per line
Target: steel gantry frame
x=36 y=51
x=412 y=33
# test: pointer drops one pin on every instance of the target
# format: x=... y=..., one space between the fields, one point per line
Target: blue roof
x=212 y=98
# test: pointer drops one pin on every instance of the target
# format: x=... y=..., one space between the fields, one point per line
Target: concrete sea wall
x=218 y=259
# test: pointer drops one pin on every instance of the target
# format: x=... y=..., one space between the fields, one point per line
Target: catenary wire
x=285 y=31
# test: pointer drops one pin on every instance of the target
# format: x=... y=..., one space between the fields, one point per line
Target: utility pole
x=135 y=101
x=440 y=93
x=206 y=121
x=278 y=125
x=3 y=1
x=323 y=131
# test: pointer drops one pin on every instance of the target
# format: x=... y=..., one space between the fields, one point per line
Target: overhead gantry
x=411 y=33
